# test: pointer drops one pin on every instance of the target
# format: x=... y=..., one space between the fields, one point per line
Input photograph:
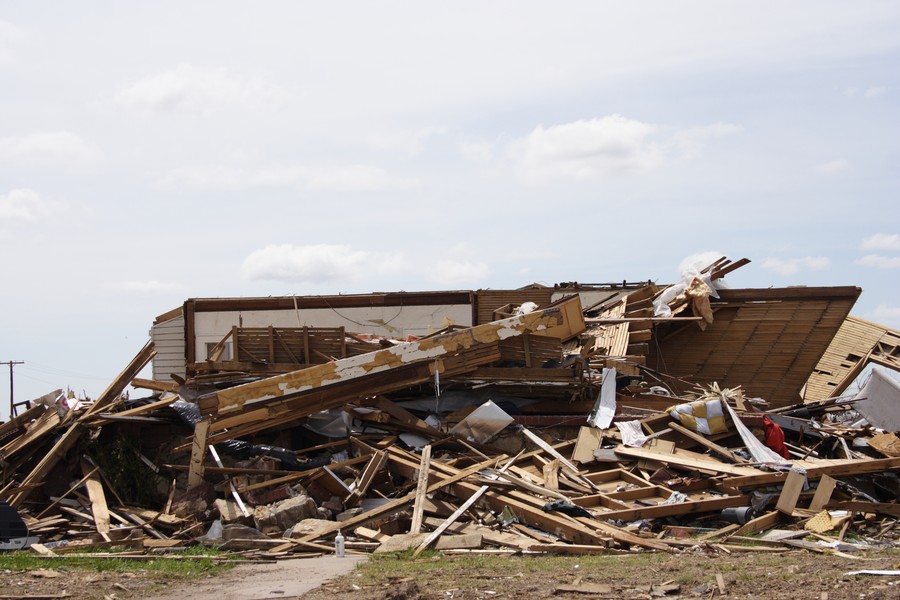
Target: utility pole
x=12 y=398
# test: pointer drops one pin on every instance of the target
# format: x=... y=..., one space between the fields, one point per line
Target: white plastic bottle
x=339 y=545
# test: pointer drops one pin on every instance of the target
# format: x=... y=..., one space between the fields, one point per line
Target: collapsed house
x=571 y=418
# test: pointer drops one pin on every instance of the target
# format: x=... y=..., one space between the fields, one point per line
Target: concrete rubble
x=651 y=418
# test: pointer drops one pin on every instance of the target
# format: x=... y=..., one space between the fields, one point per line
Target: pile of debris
x=551 y=429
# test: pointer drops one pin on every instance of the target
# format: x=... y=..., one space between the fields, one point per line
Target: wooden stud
x=198 y=452
x=422 y=485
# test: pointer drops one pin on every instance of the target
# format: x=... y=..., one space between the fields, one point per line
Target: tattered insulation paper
x=605 y=407
x=632 y=434
x=483 y=423
x=759 y=451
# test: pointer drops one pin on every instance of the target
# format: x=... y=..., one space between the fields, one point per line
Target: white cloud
x=24 y=206
x=481 y=152
x=339 y=178
x=197 y=90
x=874 y=92
x=586 y=149
x=53 y=148
x=789 y=266
x=313 y=264
x=459 y=272
x=879 y=261
x=150 y=286
x=320 y=263
x=411 y=143
x=882 y=241
x=10 y=37
x=691 y=142
x=606 y=146
x=886 y=315
x=835 y=166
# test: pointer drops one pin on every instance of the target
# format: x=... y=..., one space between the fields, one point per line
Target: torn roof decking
x=767 y=341
x=856 y=344
x=299 y=393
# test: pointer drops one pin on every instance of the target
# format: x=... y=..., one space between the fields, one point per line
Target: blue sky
x=151 y=152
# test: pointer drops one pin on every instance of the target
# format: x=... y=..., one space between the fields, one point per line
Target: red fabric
x=775 y=437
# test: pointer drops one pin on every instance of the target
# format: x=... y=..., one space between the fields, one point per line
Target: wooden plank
x=790 y=493
x=881 y=508
x=551 y=474
x=291 y=409
x=68 y=439
x=157 y=386
x=589 y=439
x=703 y=441
x=421 y=486
x=823 y=493
x=198 y=452
x=457 y=542
x=671 y=510
x=234 y=492
x=563 y=320
x=389 y=507
x=529 y=510
x=373 y=467
x=564 y=462
x=815 y=470
x=766 y=521
x=463 y=508
x=491 y=536
x=689 y=462
x=99 y=509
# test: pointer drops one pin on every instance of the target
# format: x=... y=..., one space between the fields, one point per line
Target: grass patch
x=181 y=564
x=383 y=568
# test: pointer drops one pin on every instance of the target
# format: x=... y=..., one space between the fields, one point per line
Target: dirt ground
x=796 y=575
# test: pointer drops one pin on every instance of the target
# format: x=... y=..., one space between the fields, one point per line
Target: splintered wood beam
x=790 y=493
x=686 y=461
x=389 y=507
x=563 y=320
x=823 y=493
x=815 y=470
x=99 y=509
x=284 y=410
x=198 y=452
x=422 y=485
x=725 y=270
x=234 y=492
x=459 y=511
x=529 y=509
x=137 y=411
x=563 y=461
x=156 y=386
x=765 y=521
x=700 y=439
x=68 y=439
x=671 y=510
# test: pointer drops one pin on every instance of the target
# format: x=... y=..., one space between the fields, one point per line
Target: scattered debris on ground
x=670 y=419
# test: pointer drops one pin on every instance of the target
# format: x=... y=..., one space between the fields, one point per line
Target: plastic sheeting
x=190 y=414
